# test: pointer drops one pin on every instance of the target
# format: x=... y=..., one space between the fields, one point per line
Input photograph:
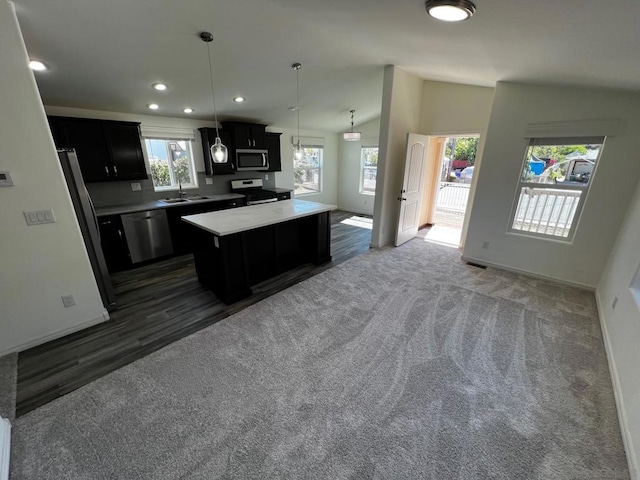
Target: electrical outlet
x=68 y=301
x=136 y=187
x=614 y=303
x=266 y=176
x=208 y=181
x=485 y=245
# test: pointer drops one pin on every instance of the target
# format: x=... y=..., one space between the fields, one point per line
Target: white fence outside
x=547 y=211
x=453 y=196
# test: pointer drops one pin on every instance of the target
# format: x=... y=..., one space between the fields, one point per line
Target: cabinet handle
x=264 y=160
x=115 y=169
x=249 y=141
x=254 y=143
x=106 y=170
x=120 y=234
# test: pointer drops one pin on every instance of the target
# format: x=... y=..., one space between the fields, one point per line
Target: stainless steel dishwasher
x=147 y=235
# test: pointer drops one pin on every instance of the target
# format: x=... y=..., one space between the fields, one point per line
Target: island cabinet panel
x=230 y=264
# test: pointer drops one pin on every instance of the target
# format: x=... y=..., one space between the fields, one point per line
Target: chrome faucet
x=180 y=192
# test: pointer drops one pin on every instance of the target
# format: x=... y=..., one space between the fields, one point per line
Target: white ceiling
x=105 y=54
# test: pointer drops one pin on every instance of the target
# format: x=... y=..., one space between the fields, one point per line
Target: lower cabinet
x=114 y=243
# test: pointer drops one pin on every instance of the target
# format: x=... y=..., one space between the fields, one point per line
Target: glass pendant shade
x=297 y=151
x=219 y=153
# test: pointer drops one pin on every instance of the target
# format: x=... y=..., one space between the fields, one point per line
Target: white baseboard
x=52 y=336
x=617 y=394
x=5 y=445
x=355 y=210
x=529 y=274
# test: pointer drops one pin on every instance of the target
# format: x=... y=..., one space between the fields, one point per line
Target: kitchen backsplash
x=120 y=193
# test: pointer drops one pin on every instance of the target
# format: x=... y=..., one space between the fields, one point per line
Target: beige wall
x=516 y=107
x=621 y=327
x=401 y=105
x=39 y=263
x=349 y=171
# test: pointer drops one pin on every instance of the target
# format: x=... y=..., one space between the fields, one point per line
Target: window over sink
x=171 y=163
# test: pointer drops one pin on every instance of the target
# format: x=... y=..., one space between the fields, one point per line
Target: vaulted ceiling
x=105 y=54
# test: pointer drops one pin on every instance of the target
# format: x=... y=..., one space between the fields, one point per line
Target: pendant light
x=351 y=136
x=219 y=153
x=297 y=149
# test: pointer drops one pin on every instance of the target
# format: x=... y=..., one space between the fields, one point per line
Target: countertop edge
x=159 y=205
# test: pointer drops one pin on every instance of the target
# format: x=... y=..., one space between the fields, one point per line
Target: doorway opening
x=447 y=194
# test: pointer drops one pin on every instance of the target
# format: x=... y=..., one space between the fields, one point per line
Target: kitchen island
x=238 y=248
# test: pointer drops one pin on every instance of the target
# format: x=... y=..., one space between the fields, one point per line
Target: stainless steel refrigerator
x=88 y=222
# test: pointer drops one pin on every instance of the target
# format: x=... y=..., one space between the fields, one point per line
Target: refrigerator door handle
x=95 y=217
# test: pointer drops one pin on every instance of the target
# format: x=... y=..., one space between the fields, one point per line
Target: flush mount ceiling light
x=37 y=66
x=161 y=87
x=219 y=153
x=297 y=149
x=450 y=10
x=351 y=136
x=188 y=110
x=153 y=106
x=238 y=99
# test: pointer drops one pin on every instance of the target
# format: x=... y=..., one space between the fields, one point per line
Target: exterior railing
x=453 y=196
x=547 y=211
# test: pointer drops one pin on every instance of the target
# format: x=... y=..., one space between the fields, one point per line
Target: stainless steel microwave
x=252 y=159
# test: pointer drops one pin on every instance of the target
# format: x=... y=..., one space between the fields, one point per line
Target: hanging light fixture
x=219 y=153
x=297 y=149
x=450 y=10
x=351 y=136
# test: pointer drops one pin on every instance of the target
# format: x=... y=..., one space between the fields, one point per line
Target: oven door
x=252 y=160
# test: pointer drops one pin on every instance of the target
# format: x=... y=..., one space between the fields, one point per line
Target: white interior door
x=412 y=184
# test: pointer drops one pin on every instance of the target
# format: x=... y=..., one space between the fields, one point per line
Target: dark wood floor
x=157 y=304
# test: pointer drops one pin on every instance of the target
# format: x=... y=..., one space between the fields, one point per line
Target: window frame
x=520 y=185
x=175 y=185
x=361 y=190
x=320 y=171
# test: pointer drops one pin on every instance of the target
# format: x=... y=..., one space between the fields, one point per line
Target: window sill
x=371 y=194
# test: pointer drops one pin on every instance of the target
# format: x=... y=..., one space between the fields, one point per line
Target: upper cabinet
x=272 y=143
x=107 y=150
x=246 y=135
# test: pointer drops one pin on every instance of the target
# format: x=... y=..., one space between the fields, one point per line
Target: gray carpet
x=8 y=378
x=399 y=364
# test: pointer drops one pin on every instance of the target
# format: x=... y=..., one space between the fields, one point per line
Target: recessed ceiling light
x=187 y=110
x=450 y=10
x=160 y=86
x=238 y=99
x=153 y=106
x=37 y=66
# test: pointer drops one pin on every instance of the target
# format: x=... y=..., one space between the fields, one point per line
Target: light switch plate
x=68 y=301
x=208 y=181
x=136 y=187
x=5 y=179
x=39 y=217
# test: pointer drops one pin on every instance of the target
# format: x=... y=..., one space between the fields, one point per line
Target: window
x=553 y=185
x=307 y=172
x=368 y=169
x=171 y=163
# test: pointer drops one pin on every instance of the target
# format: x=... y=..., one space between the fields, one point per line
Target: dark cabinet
x=182 y=233
x=107 y=150
x=246 y=135
x=272 y=143
x=208 y=136
x=114 y=243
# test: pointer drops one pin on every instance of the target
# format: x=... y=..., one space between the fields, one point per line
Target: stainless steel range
x=252 y=189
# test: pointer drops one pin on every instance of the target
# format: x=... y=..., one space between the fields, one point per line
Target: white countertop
x=227 y=222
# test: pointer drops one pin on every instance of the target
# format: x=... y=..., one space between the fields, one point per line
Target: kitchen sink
x=196 y=198
x=174 y=200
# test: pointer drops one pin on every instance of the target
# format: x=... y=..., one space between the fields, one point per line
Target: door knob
x=401 y=198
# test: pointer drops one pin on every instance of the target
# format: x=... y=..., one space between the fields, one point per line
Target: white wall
x=515 y=107
x=450 y=109
x=621 y=327
x=39 y=263
x=349 y=169
x=401 y=107
x=329 y=183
